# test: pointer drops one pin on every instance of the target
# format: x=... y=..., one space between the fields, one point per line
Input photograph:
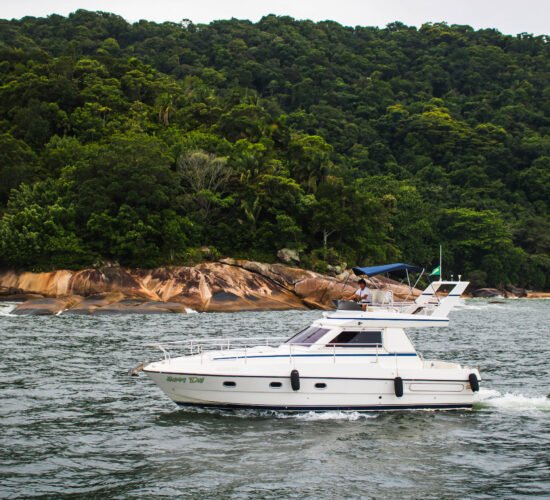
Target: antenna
x=440 y=263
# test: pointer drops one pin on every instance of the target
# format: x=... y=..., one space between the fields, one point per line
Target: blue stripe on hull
x=329 y=408
x=319 y=378
x=419 y=320
x=392 y=355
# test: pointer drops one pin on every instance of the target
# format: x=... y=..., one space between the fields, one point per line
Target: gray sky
x=508 y=16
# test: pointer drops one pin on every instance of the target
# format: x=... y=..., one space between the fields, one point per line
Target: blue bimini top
x=386 y=268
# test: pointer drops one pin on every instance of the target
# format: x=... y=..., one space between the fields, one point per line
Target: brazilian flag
x=436 y=271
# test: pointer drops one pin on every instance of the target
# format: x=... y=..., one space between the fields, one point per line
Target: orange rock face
x=228 y=285
x=47 y=305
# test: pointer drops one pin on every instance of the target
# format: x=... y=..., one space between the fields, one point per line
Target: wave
x=307 y=416
x=480 y=307
x=489 y=398
x=467 y=304
x=7 y=307
x=312 y=416
x=470 y=308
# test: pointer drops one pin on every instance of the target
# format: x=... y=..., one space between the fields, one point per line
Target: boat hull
x=327 y=408
x=314 y=394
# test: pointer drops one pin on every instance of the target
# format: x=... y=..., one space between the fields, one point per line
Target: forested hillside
x=140 y=143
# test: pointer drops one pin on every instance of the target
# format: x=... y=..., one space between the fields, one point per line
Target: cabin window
x=308 y=336
x=320 y=385
x=229 y=383
x=357 y=339
x=275 y=385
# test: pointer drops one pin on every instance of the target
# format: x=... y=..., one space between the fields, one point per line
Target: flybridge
x=384 y=319
x=445 y=303
x=431 y=308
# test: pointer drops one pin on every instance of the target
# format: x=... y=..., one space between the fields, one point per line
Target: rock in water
x=487 y=293
x=136 y=370
x=46 y=306
x=516 y=291
x=96 y=301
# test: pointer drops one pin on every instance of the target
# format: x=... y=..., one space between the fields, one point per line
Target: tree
x=17 y=164
x=350 y=144
x=38 y=230
x=480 y=240
x=309 y=156
x=205 y=178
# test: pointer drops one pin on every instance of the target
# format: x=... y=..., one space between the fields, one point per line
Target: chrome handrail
x=218 y=340
x=197 y=346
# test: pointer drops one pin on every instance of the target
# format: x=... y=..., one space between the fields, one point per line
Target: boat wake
x=489 y=398
x=312 y=416
x=305 y=416
x=7 y=307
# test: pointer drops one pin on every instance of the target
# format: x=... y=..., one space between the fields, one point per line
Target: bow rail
x=243 y=347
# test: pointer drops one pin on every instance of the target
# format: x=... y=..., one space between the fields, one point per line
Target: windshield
x=357 y=339
x=308 y=336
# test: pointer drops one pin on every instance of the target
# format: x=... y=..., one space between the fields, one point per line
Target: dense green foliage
x=140 y=143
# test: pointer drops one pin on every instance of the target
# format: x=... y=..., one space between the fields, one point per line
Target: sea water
x=73 y=423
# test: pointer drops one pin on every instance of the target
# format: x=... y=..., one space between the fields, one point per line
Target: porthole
x=320 y=385
x=228 y=383
x=275 y=385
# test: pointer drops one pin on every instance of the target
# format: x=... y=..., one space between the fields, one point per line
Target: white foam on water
x=513 y=402
x=188 y=310
x=482 y=307
x=461 y=303
x=312 y=416
x=487 y=393
x=307 y=416
x=7 y=307
x=466 y=304
x=469 y=307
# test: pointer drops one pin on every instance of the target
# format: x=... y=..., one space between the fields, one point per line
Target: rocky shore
x=227 y=285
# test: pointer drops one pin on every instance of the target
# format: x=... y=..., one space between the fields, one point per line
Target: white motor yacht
x=356 y=358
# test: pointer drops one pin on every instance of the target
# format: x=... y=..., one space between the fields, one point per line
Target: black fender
x=295 y=380
x=474 y=382
x=398 y=386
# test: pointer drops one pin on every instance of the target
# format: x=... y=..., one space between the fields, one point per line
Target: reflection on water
x=73 y=422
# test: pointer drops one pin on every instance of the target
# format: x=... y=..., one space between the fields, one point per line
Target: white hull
x=431 y=389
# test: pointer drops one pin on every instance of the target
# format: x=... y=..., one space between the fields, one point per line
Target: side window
x=357 y=339
x=308 y=336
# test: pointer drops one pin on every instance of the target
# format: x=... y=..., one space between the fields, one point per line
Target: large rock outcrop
x=228 y=285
